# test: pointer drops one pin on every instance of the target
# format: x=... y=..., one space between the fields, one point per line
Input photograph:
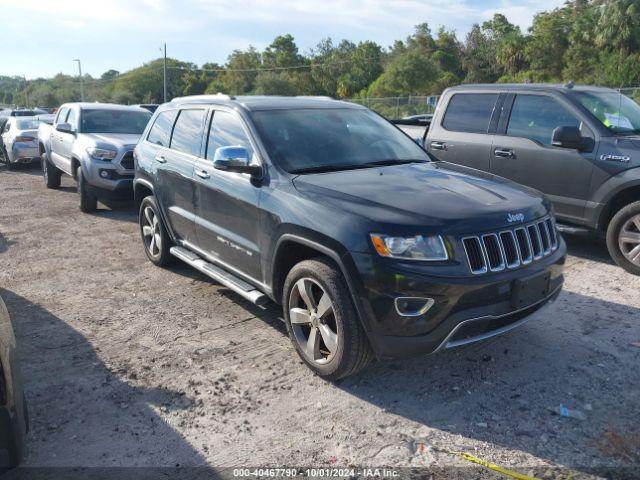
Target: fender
x=596 y=207
x=343 y=262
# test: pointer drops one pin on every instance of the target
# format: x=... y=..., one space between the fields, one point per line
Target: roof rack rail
x=219 y=95
x=319 y=97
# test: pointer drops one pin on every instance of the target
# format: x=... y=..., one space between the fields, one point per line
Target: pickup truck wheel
x=50 y=174
x=322 y=322
x=154 y=236
x=88 y=201
x=623 y=238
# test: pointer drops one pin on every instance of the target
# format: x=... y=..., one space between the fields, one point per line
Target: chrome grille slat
x=512 y=248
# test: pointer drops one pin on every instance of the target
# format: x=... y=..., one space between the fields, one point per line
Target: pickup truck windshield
x=614 y=110
x=113 y=121
x=316 y=140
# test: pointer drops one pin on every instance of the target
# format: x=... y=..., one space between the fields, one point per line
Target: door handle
x=506 y=153
x=438 y=145
x=160 y=159
x=202 y=173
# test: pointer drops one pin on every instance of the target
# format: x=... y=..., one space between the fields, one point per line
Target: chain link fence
x=399 y=107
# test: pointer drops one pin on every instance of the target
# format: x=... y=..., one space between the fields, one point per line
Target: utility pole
x=165 y=73
x=80 y=75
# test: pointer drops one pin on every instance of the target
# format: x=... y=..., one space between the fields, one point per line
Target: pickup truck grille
x=512 y=248
x=127 y=161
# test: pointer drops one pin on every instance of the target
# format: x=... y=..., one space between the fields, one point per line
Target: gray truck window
x=188 y=132
x=62 y=115
x=536 y=116
x=226 y=130
x=160 y=133
x=469 y=112
x=72 y=118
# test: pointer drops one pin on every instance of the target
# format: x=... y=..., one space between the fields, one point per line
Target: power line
x=263 y=69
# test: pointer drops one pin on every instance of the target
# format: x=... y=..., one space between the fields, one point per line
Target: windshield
x=310 y=140
x=614 y=110
x=114 y=121
x=31 y=124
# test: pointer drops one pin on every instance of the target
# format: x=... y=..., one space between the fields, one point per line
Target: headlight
x=410 y=248
x=102 y=153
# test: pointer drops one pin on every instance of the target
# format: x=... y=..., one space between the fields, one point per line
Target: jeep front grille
x=509 y=249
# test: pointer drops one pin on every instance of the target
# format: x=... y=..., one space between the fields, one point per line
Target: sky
x=43 y=37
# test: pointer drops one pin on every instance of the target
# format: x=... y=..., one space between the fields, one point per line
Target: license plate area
x=527 y=291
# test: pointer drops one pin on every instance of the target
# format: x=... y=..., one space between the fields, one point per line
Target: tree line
x=590 y=42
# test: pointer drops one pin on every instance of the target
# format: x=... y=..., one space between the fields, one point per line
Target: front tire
x=155 y=238
x=623 y=238
x=322 y=322
x=88 y=201
x=50 y=173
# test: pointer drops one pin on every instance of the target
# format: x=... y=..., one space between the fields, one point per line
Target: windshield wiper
x=354 y=166
x=382 y=163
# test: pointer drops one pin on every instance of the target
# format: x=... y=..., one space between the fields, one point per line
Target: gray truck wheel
x=88 y=201
x=50 y=174
x=322 y=322
x=623 y=238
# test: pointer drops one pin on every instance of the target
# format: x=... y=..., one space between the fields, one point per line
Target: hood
x=119 y=140
x=436 y=194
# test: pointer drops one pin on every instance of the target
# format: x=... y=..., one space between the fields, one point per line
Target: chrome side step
x=571 y=230
x=221 y=276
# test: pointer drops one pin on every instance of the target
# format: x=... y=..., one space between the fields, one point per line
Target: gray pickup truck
x=92 y=142
x=578 y=145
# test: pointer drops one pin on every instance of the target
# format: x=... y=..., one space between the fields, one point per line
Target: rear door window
x=536 y=116
x=469 y=112
x=160 y=133
x=188 y=132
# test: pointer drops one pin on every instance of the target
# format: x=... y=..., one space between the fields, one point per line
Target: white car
x=20 y=141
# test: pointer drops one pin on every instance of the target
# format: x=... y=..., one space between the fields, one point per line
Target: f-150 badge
x=609 y=157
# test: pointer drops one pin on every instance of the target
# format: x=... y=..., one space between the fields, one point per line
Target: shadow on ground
x=588 y=247
x=67 y=385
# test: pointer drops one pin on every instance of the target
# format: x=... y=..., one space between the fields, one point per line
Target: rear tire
x=50 y=173
x=322 y=322
x=623 y=238
x=88 y=201
x=155 y=238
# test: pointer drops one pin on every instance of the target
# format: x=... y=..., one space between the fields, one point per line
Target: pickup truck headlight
x=418 y=247
x=105 y=154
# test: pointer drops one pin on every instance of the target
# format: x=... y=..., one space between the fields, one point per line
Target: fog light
x=413 y=306
x=105 y=173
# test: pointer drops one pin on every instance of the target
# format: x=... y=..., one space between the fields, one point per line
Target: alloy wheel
x=151 y=232
x=313 y=321
x=629 y=239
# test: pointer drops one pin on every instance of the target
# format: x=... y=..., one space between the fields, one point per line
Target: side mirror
x=235 y=159
x=64 y=128
x=567 y=137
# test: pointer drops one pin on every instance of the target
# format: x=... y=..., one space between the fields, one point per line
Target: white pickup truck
x=92 y=142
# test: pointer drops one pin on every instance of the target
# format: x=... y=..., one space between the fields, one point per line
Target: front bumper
x=109 y=180
x=465 y=309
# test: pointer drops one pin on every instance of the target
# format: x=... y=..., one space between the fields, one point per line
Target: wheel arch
x=141 y=189
x=291 y=249
x=618 y=201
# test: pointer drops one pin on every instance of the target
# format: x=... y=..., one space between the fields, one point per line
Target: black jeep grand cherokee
x=325 y=207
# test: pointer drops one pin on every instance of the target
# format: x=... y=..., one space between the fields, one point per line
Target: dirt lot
x=126 y=364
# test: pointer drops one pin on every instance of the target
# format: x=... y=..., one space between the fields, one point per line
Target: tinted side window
x=469 y=112
x=160 y=133
x=188 y=132
x=226 y=130
x=536 y=116
x=62 y=115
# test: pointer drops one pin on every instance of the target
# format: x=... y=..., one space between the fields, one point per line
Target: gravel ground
x=127 y=364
